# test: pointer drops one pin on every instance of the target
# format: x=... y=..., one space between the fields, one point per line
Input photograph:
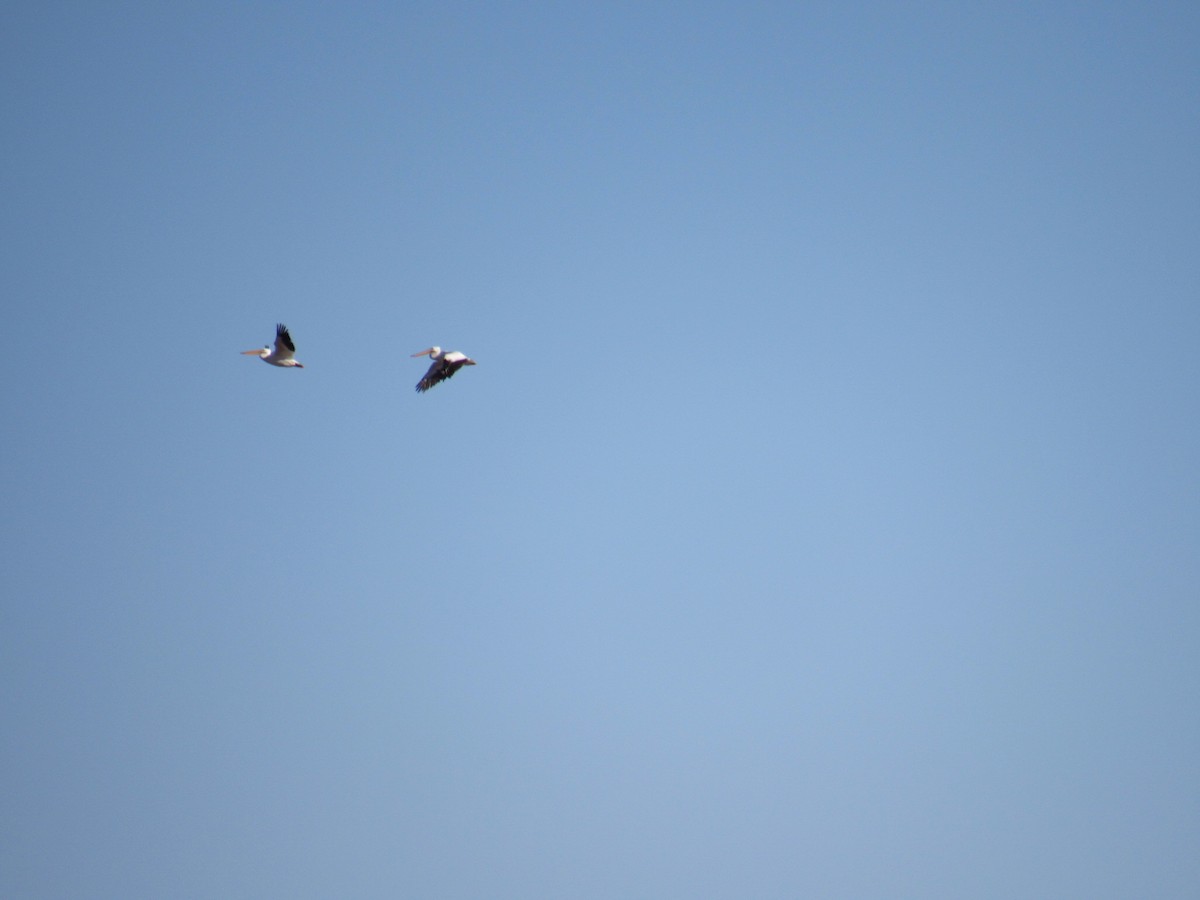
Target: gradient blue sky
x=821 y=520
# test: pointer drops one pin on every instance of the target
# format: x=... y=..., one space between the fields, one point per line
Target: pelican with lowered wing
x=444 y=366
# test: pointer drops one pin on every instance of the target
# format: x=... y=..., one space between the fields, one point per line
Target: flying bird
x=283 y=354
x=444 y=366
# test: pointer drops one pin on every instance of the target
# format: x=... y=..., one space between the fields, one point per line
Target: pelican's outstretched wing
x=439 y=370
x=284 y=348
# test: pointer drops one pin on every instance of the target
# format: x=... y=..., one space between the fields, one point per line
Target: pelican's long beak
x=424 y=352
x=468 y=362
x=254 y=352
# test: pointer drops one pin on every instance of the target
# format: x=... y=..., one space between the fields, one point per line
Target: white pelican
x=444 y=366
x=282 y=355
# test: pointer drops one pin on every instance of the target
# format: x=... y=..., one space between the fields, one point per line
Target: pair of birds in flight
x=444 y=365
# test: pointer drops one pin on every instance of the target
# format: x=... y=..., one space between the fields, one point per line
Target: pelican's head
x=265 y=351
x=432 y=352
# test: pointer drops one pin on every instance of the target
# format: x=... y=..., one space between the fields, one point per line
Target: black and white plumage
x=284 y=353
x=444 y=366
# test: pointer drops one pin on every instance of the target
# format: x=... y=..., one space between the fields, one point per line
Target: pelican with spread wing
x=284 y=354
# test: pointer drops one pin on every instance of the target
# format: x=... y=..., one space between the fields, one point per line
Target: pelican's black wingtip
x=281 y=332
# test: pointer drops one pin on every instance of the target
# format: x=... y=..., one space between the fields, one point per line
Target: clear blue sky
x=821 y=520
